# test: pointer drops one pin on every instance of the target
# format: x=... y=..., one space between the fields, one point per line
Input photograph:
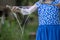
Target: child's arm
x=58 y=5
x=29 y=11
x=25 y=11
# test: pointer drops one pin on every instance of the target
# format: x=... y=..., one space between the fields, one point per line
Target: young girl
x=48 y=17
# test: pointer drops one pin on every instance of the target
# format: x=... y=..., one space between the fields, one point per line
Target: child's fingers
x=15 y=9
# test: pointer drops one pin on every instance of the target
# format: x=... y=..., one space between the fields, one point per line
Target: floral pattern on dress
x=48 y=14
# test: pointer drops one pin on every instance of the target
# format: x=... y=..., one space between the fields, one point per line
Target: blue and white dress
x=49 y=21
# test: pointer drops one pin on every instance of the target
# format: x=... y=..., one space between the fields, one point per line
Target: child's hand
x=15 y=9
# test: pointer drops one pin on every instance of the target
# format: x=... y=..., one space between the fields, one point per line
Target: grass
x=11 y=30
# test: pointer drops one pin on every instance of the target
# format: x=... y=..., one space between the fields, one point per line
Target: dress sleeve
x=56 y=2
x=38 y=4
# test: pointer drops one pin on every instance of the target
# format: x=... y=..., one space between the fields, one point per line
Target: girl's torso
x=48 y=14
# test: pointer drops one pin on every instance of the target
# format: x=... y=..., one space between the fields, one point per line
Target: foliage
x=11 y=30
x=25 y=2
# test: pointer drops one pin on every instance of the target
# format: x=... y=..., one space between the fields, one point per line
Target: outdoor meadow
x=15 y=26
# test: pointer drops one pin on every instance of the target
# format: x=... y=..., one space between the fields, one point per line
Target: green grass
x=11 y=30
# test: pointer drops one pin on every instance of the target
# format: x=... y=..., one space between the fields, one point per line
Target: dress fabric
x=48 y=32
x=49 y=21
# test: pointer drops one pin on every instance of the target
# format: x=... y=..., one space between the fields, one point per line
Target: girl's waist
x=49 y=24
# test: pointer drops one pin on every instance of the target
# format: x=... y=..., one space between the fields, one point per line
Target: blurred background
x=9 y=24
